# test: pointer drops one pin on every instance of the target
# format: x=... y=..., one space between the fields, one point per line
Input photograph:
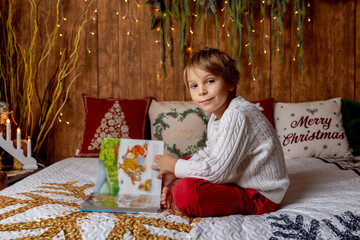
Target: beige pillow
x=311 y=129
x=180 y=124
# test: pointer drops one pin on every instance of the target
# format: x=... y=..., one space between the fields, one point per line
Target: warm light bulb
x=249 y=63
x=265 y=51
x=64 y=19
x=128 y=33
x=89 y=51
x=117 y=13
x=92 y=33
x=294 y=59
x=60 y=35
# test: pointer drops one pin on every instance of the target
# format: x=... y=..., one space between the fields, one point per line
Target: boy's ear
x=232 y=87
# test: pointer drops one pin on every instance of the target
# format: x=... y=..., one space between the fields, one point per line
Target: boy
x=242 y=168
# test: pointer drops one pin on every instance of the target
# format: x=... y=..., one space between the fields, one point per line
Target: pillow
x=180 y=124
x=311 y=129
x=351 y=118
x=112 y=118
x=266 y=107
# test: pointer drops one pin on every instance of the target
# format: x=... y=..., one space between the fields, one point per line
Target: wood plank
x=150 y=57
x=71 y=127
x=303 y=83
x=281 y=73
x=357 y=50
x=108 y=47
x=342 y=82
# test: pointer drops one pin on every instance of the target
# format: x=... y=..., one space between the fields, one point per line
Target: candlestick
x=28 y=147
x=8 y=130
x=18 y=139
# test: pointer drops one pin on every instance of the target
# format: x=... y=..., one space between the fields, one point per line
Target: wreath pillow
x=180 y=124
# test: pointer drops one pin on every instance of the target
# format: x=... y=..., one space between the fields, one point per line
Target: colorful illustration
x=133 y=162
x=146 y=186
x=108 y=154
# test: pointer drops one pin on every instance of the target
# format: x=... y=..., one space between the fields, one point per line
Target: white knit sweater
x=242 y=148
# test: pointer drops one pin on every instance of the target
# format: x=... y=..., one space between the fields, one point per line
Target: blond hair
x=215 y=62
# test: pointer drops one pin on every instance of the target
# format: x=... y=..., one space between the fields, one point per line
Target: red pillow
x=266 y=107
x=112 y=118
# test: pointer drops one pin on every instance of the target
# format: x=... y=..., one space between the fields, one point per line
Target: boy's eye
x=210 y=81
x=192 y=86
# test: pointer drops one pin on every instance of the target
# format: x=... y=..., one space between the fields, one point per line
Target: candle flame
x=29 y=140
x=18 y=130
x=7 y=121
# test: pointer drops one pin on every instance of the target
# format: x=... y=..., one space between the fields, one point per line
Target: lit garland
x=240 y=13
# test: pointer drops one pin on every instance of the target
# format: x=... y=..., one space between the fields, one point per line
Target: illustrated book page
x=125 y=181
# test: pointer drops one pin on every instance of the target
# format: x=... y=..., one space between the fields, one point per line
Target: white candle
x=28 y=147
x=18 y=139
x=8 y=130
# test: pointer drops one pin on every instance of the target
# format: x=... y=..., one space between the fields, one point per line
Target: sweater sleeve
x=227 y=151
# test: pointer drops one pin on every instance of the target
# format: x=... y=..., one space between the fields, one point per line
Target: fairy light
x=136 y=6
x=61 y=119
x=92 y=16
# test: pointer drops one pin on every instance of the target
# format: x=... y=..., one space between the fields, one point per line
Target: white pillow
x=311 y=129
x=180 y=124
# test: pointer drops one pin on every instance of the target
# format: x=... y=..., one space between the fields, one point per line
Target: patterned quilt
x=323 y=202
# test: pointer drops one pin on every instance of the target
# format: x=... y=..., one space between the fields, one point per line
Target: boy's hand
x=165 y=164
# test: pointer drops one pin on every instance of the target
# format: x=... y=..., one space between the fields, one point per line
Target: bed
x=322 y=202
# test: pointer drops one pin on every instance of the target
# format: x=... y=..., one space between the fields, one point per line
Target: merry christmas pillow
x=112 y=118
x=180 y=124
x=311 y=129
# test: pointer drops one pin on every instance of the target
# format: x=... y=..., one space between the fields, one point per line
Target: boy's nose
x=202 y=91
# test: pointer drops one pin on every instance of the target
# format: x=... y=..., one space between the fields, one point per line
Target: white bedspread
x=323 y=202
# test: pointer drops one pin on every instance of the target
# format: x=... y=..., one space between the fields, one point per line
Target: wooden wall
x=126 y=66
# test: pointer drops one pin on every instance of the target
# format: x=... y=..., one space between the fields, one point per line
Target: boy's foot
x=167 y=200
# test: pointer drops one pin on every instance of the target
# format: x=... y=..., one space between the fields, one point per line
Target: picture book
x=125 y=181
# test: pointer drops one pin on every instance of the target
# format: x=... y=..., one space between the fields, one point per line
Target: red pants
x=199 y=198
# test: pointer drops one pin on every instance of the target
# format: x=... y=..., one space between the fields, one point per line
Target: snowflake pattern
x=343 y=227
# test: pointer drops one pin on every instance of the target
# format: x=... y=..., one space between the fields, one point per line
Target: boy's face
x=209 y=92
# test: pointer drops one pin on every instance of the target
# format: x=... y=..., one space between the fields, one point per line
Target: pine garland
x=241 y=13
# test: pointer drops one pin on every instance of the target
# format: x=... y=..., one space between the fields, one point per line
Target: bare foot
x=167 y=199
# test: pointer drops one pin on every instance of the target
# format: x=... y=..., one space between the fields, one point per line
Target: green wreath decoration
x=160 y=125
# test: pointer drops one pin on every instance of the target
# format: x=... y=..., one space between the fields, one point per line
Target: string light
x=92 y=16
